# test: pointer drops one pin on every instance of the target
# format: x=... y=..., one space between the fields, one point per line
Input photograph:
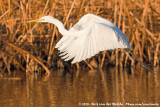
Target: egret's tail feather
x=144 y=65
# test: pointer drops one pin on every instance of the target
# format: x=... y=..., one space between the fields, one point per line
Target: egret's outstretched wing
x=100 y=35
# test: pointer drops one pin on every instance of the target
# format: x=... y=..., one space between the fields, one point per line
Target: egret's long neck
x=60 y=26
x=63 y=31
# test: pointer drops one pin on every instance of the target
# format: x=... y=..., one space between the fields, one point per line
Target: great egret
x=90 y=35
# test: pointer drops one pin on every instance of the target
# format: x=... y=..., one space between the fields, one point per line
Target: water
x=82 y=88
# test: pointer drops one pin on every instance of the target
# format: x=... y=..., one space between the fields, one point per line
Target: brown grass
x=138 y=19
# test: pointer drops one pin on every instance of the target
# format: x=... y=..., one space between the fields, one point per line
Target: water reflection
x=75 y=88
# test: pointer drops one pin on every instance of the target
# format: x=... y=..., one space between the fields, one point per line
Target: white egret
x=90 y=35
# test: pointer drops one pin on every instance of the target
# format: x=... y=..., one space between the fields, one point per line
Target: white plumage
x=90 y=35
x=100 y=35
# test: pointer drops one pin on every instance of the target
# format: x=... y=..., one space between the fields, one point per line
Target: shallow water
x=82 y=88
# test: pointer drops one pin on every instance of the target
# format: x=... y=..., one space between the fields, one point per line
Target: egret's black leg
x=145 y=66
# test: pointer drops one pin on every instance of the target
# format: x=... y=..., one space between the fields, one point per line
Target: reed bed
x=31 y=47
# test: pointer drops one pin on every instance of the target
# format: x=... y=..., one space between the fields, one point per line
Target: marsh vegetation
x=31 y=47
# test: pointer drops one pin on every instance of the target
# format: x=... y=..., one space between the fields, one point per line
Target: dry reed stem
x=4 y=14
x=123 y=30
x=52 y=47
x=156 y=59
x=103 y=58
x=45 y=7
x=89 y=65
x=23 y=52
x=143 y=24
x=69 y=13
x=119 y=25
x=77 y=65
x=6 y=64
x=115 y=21
x=149 y=32
x=27 y=64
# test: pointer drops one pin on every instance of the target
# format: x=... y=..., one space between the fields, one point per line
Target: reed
x=139 y=20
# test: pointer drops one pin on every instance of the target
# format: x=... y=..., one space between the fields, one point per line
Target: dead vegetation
x=24 y=45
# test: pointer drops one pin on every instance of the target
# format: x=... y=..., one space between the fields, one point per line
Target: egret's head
x=45 y=19
x=42 y=19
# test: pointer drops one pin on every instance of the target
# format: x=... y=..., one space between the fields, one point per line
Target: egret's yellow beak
x=34 y=20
